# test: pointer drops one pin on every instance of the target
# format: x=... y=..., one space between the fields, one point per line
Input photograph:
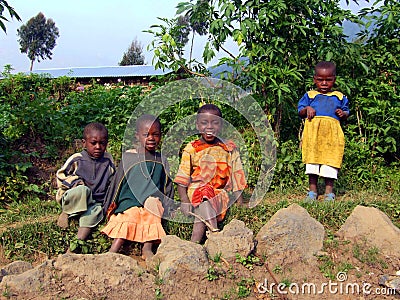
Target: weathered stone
x=175 y=255
x=101 y=274
x=30 y=280
x=392 y=282
x=15 y=268
x=108 y=268
x=290 y=235
x=234 y=239
x=371 y=225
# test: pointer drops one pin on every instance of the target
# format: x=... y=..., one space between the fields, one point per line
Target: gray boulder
x=290 y=235
x=234 y=239
x=15 y=268
x=371 y=225
x=175 y=256
x=30 y=280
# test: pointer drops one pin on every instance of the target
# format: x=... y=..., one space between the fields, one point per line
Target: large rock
x=290 y=235
x=175 y=256
x=101 y=274
x=106 y=269
x=234 y=239
x=28 y=281
x=15 y=268
x=371 y=225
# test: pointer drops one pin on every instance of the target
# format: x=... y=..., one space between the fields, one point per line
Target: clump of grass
x=29 y=209
x=368 y=255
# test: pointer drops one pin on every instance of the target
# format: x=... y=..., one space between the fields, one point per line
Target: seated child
x=139 y=187
x=209 y=168
x=83 y=181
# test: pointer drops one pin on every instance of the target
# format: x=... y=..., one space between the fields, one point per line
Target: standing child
x=83 y=180
x=209 y=168
x=139 y=187
x=323 y=138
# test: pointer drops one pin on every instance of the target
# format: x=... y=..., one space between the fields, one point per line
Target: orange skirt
x=137 y=224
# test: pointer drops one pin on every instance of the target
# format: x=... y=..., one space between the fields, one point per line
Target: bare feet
x=116 y=245
x=147 y=251
x=83 y=233
x=63 y=220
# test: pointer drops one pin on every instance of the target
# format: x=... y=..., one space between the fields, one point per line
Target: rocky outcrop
x=290 y=235
x=16 y=267
x=370 y=225
x=175 y=255
x=100 y=274
x=234 y=239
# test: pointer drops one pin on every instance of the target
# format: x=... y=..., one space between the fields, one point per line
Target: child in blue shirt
x=323 y=139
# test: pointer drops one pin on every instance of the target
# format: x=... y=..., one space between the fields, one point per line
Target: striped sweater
x=82 y=169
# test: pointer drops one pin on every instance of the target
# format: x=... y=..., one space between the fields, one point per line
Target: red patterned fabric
x=205 y=191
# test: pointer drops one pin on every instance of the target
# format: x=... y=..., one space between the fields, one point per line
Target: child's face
x=95 y=143
x=209 y=124
x=324 y=79
x=149 y=135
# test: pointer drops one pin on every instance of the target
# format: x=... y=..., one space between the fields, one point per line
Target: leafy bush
x=289 y=169
x=42 y=117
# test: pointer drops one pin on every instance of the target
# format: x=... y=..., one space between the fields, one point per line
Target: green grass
x=29 y=209
x=29 y=227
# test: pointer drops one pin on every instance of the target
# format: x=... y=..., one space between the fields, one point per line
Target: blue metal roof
x=98 y=72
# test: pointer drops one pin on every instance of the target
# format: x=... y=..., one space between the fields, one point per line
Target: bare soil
x=233 y=280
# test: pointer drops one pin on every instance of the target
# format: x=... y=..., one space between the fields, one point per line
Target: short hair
x=95 y=126
x=210 y=107
x=147 y=118
x=325 y=65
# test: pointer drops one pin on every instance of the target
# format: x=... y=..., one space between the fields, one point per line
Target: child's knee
x=77 y=192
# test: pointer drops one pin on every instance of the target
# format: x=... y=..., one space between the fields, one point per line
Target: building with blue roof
x=135 y=74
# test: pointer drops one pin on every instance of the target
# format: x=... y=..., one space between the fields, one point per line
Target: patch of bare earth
x=232 y=280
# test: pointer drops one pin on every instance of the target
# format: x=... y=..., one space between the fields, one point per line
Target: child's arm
x=304 y=109
x=66 y=175
x=307 y=112
x=343 y=111
x=343 y=115
x=186 y=206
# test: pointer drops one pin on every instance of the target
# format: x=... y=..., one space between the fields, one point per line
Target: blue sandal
x=329 y=197
x=311 y=197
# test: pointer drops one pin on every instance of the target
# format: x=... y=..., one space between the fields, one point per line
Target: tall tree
x=37 y=38
x=11 y=12
x=280 y=39
x=134 y=55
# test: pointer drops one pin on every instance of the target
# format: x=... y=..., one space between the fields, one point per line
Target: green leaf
x=19 y=245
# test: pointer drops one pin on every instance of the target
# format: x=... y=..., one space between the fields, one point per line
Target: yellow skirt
x=323 y=142
x=137 y=224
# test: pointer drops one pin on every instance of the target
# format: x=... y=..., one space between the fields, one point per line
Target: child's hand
x=340 y=113
x=310 y=112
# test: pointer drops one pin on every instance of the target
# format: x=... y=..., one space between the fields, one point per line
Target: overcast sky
x=92 y=32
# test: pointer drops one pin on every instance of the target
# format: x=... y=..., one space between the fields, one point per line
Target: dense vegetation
x=42 y=117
